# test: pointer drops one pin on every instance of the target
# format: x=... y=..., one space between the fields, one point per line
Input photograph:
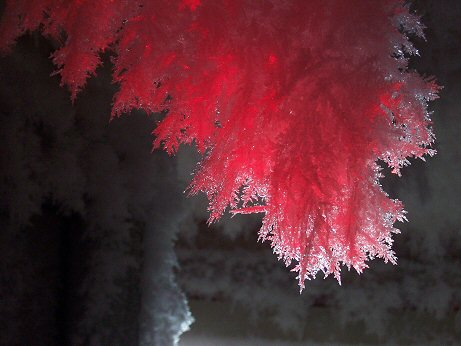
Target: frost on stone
x=291 y=104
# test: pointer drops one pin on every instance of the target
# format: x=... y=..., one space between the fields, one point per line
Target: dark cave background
x=99 y=245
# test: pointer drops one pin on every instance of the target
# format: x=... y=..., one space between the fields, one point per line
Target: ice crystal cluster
x=291 y=104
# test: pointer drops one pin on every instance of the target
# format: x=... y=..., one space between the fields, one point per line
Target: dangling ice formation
x=291 y=104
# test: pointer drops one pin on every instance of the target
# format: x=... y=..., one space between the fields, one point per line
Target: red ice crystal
x=291 y=104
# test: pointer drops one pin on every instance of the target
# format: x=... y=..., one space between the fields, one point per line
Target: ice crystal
x=291 y=104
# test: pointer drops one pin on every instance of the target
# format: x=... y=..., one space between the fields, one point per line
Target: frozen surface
x=214 y=341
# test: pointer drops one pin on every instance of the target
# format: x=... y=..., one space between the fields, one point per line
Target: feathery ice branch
x=291 y=104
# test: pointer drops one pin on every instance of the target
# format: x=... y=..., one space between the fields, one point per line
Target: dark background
x=98 y=245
